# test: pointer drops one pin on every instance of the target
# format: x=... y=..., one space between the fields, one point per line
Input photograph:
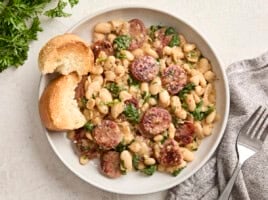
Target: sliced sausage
x=102 y=45
x=184 y=133
x=132 y=101
x=107 y=135
x=110 y=164
x=155 y=120
x=137 y=32
x=80 y=89
x=170 y=154
x=144 y=68
x=174 y=78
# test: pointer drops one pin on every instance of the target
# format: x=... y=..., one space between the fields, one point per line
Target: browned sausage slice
x=170 y=154
x=155 y=120
x=137 y=32
x=144 y=68
x=174 y=78
x=107 y=135
x=184 y=133
x=132 y=101
x=110 y=164
x=102 y=45
x=80 y=89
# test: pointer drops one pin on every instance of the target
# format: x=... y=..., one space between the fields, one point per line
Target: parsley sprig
x=20 y=24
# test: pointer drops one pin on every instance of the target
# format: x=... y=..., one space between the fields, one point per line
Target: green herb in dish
x=89 y=126
x=186 y=90
x=175 y=41
x=132 y=113
x=122 y=42
x=198 y=114
x=149 y=170
x=152 y=30
x=135 y=160
x=170 y=31
x=133 y=82
x=176 y=172
x=114 y=89
x=120 y=147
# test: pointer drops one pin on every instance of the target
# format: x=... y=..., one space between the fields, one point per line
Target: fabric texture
x=248 y=82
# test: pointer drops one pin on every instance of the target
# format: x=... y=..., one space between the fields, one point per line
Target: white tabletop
x=29 y=169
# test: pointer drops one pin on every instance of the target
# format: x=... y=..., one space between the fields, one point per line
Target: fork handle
x=228 y=188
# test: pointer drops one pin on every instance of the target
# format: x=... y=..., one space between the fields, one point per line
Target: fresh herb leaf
x=58 y=11
x=132 y=113
x=73 y=2
x=152 y=30
x=175 y=41
x=170 y=31
x=186 y=90
x=149 y=170
x=146 y=96
x=89 y=126
x=132 y=81
x=122 y=42
x=135 y=160
x=114 y=89
x=176 y=172
x=198 y=114
x=84 y=101
x=19 y=25
x=112 y=103
x=165 y=137
x=120 y=147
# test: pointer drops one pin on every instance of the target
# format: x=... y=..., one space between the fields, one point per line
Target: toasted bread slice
x=65 y=54
x=58 y=107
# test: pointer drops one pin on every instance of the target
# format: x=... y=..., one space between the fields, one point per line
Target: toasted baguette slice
x=65 y=54
x=57 y=106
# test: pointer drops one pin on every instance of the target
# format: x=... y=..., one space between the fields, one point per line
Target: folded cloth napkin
x=248 y=81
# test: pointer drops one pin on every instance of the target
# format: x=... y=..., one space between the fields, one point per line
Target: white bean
x=181 y=113
x=152 y=101
x=98 y=36
x=190 y=102
x=164 y=98
x=204 y=65
x=92 y=88
x=135 y=147
x=126 y=157
x=198 y=129
x=109 y=63
x=105 y=95
x=128 y=55
x=124 y=95
x=149 y=161
x=111 y=37
x=158 y=138
x=175 y=102
x=117 y=109
x=119 y=70
x=207 y=129
x=144 y=87
x=188 y=47
x=155 y=86
x=187 y=155
x=211 y=117
x=83 y=160
x=109 y=76
x=90 y=103
x=210 y=76
x=138 y=53
x=171 y=131
x=103 y=27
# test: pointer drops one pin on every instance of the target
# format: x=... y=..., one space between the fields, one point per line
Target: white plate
x=135 y=182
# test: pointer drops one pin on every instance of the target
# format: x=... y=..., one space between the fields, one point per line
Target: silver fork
x=249 y=141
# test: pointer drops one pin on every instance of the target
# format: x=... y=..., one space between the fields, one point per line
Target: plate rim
x=225 y=84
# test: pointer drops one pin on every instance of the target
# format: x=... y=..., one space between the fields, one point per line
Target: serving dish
x=135 y=183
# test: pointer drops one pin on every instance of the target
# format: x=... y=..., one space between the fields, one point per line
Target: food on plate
x=147 y=102
x=58 y=108
x=65 y=54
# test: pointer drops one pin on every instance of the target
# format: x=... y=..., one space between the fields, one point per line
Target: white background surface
x=29 y=169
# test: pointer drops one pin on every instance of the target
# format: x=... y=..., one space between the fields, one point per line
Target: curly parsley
x=20 y=24
x=132 y=113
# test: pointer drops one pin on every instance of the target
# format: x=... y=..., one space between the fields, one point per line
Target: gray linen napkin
x=249 y=88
